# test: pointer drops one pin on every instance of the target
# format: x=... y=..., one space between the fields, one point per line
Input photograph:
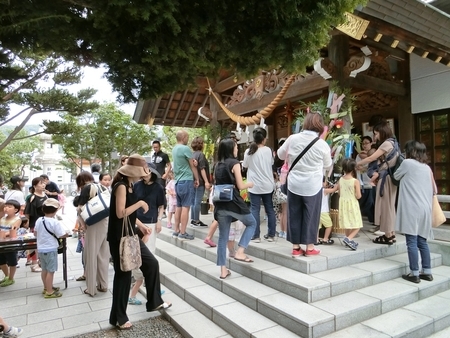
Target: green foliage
x=17 y=154
x=98 y=134
x=156 y=47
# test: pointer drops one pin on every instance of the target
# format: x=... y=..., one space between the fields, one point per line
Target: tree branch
x=28 y=136
x=13 y=117
x=17 y=130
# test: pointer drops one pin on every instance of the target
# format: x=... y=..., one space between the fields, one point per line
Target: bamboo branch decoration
x=265 y=113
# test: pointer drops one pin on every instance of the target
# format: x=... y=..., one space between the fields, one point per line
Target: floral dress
x=349 y=212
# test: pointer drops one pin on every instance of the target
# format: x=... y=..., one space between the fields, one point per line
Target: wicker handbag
x=129 y=248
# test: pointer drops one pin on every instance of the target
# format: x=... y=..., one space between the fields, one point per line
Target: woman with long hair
x=258 y=159
x=16 y=192
x=304 y=193
x=228 y=171
x=414 y=209
x=386 y=190
x=96 y=249
x=124 y=202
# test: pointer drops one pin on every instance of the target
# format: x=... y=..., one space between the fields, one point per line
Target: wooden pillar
x=338 y=54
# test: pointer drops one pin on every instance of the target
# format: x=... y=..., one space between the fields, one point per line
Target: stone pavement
x=23 y=305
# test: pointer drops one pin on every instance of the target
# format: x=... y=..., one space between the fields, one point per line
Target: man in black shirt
x=163 y=166
x=51 y=188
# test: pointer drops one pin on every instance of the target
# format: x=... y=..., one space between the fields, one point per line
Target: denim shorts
x=49 y=261
x=185 y=193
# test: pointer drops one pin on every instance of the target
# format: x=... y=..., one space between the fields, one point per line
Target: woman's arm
x=377 y=154
x=238 y=177
x=121 y=196
x=357 y=189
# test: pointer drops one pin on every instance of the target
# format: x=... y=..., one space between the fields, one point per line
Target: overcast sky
x=93 y=78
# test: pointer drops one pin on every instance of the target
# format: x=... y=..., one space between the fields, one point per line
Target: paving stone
x=178 y=282
x=253 y=270
x=441 y=334
x=190 y=263
x=383 y=269
x=194 y=324
x=435 y=307
x=204 y=298
x=344 y=279
x=428 y=289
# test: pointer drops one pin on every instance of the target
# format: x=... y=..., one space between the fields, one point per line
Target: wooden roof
x=396 y=27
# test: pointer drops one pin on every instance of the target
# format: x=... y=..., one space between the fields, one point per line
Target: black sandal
x=328 y=242
x=383 y=240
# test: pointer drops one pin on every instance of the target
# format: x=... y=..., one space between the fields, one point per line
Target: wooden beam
x=179 y=108
x=228 y=83
x=297 y=90
x=154 y=109
x=375 y=84
x=188 y=113
x=168 y=107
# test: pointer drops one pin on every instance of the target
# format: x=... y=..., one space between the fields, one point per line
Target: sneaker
x=163 y=292
x=164 y=215
x=375 y=229
x=312 y=252
x=175 y=234
x=348 y=243
x=195 y=224
x=13 y=332
x=185 y=236
x=202 y=224
x=297 y=252
x=210 y=243
x=55 y=294
x=282 y=234
x=169 y=226
x=256 y=240
x=269 y=239
x=55 y=288
x=134 y=301
x=7 y=282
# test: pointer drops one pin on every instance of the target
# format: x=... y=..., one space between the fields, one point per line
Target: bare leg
x=212 y=229
x=283 y=217
x=327 y=234
x=184 y=217
x=135 y=288
x=231 y=249
x=177 y=219
x=351 y=233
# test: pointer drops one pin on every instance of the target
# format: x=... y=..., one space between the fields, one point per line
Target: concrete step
x=428 y=317
x=280 y=293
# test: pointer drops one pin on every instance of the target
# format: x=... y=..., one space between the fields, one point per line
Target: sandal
x=328 y=242
x=99 y=288
x=81 y=278
x=36 y=268
x=383 y=240
x=87 y=293
x=126 y=326
x=163 y=306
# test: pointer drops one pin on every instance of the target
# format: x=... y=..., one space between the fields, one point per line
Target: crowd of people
x=289 y=183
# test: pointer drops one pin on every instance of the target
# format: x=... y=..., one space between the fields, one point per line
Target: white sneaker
x=13 y=332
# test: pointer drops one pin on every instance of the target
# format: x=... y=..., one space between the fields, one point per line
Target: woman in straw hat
x=124 y=202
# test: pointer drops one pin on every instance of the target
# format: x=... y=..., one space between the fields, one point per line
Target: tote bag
x=97 y=208
x=129 y=248
x=437 y=215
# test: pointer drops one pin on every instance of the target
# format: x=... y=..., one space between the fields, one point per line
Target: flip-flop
x=81 y=278
x=87 y=293
x=102 y=289
x=163 y=306
x=228 y=274
x=245 y=260
x=126 y=326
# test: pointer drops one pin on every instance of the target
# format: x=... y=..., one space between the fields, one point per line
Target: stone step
x=279 y=252
x=269 y=295
x=428 y=317
x=307 y=288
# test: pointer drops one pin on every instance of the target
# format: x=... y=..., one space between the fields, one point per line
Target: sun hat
x=136 y=166
x=51 y=202
x=152 y=168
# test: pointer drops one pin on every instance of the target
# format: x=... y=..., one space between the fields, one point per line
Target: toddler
x=325 y=219
x=171 y=198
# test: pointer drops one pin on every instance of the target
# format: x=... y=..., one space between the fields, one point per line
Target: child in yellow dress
x=349 y=212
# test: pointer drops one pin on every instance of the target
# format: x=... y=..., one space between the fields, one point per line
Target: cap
x=16 y=179
x=51 y=202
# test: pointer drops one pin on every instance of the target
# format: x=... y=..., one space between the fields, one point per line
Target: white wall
x=430 y=85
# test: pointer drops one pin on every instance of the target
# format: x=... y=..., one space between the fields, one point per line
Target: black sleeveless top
x=115 y=223
x=223 y=175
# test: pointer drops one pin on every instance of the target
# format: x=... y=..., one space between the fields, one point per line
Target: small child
x=47 y=231
x=22 y=231
x=8 y=226
x=62 y=200
x=139 y=280
x=234 y=235
x=349 y=192
x=325 y=219
x=279 y=201
x=171 y=198
x=8 y=331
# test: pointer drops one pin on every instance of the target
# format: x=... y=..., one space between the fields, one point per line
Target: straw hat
x=135 y=167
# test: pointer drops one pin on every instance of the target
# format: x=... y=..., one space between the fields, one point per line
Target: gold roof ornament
x=353 y=26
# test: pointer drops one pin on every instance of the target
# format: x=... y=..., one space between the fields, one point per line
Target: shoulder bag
x=223 y=192
x=60 y=241
x=284 y=186
x=97 y=208
x=129 y=248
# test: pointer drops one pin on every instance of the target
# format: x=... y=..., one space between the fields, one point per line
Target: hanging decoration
x=262 y=115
